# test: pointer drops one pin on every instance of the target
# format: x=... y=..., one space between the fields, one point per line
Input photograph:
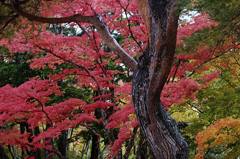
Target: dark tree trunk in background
x=37 y=153
x=24 y=127
x=95 y=149
x=62 y=144
x=3 y=155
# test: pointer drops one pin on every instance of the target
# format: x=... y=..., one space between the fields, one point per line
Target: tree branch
x=223 y=52
x=74 y=64
x=95 y=20
x=8 y=21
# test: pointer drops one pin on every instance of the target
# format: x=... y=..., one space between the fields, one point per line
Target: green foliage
x=218 y=101
x=15 y=71
x=225 y=12
x=221 y=10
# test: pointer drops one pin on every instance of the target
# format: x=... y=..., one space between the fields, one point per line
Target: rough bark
x=158 y=128
x=149 y=78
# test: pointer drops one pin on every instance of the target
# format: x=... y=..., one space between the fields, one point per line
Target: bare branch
x=95 y=20
x=113 y=44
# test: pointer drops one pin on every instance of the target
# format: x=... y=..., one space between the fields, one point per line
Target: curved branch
x=129 y=24
x=95 y=20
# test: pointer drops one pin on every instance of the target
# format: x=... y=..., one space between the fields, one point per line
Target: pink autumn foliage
x=60 y=111
x=14 y=137
x=29 y=102
x=123 y=135
x=211 y=76
x=120 y=117
x=14 y=100
x=178 y=92
x=97 y=104
x=64 y=125
x=199 y=22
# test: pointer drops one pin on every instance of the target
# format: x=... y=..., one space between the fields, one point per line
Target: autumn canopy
x=119 y=79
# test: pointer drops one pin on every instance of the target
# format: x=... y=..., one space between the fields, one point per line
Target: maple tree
x=99 y=47
x=222 y=133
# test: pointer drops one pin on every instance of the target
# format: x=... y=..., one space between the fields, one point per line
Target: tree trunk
x=3 y=153
x=62 y=144
x=95 y=149
x=24 y=127
x=37 y=153
x=154 y=66
x=143 y=149
x=158 y=127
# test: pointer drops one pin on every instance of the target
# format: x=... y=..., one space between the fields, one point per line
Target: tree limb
x=11 y=18
x=95 y=20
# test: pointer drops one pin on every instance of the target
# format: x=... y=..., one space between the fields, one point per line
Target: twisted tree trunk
x=161 y=131
x=157 y=126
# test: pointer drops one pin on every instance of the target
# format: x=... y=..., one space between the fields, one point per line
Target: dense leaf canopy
x=66 y=69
